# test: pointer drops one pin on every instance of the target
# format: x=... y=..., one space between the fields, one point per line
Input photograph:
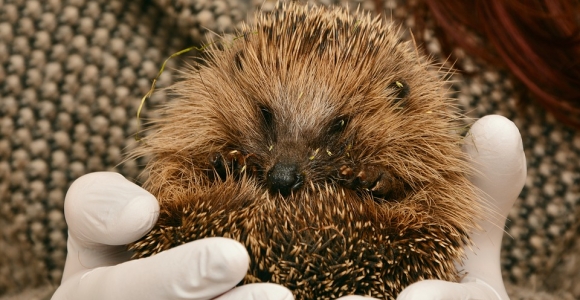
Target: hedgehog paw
x=233 y=163
x=379 y=181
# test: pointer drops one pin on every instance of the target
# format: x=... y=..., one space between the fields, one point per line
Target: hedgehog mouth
x=286 y=179
x=282 y=179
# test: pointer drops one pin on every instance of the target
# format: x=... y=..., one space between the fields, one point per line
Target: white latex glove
x=104 y=211
x=495 y=147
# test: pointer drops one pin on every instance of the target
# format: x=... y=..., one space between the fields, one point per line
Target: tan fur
x=319 y=88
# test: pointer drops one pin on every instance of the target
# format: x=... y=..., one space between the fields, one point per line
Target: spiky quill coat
x=325 y=145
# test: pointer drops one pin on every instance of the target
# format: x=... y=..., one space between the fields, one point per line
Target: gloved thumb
x=201 y=270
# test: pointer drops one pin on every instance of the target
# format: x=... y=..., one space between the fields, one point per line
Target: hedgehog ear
x=399 y=89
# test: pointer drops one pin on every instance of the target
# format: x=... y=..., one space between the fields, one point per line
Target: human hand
x=494 y=146
x=104 y=212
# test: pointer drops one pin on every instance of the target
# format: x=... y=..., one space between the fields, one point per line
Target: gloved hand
x=104 y=211
x=495 y=147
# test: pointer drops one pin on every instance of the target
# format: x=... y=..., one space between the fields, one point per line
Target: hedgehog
x=323 y=142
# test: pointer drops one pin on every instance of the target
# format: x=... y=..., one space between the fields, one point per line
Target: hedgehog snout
x=283 y=178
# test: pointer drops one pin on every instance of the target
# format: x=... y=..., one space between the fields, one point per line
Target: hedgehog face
x=305 y=134
x=326 y=146
x=334 y=104
x=307 y=139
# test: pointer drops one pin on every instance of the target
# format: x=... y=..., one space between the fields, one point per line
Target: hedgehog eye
x=267 y=116
x=338 y=125
x=399 y=88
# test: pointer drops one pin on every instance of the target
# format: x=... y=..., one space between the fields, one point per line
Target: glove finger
x=258 y=291
x=444 y=290
x=494 y=146
x=104 y=208
x=199 y=270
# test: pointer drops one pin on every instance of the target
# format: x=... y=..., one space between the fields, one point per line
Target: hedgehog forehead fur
x=314 y=118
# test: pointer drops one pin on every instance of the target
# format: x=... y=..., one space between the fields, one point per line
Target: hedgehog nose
x=284 y=178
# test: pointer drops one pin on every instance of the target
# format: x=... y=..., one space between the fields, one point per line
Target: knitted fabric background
x=72 y=73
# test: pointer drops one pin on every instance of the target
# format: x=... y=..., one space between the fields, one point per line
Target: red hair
x=537 y=40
